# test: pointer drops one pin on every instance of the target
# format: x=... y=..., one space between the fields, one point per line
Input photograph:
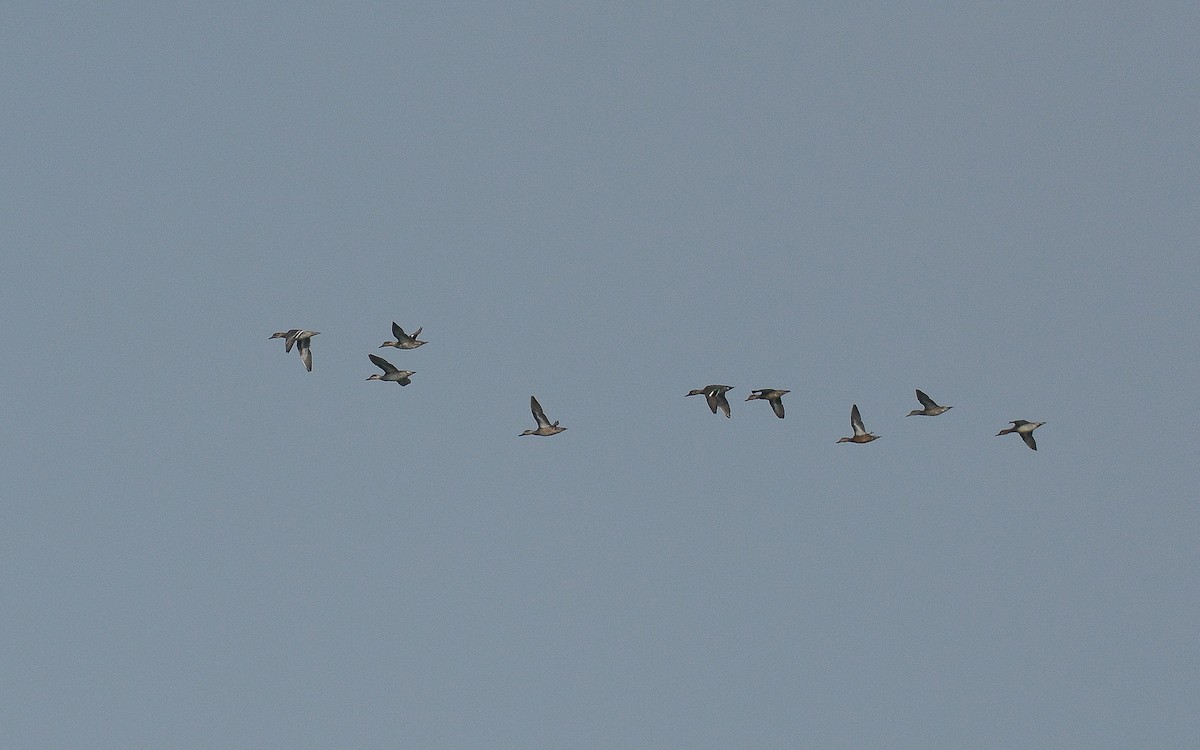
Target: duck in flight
x=860 y=433
x=403 y=340
x=544 y=426
x=301 y=339
x=773 y=396
x=391 y=373
x=931 y=408
x=1024 y=429
x=715 y=395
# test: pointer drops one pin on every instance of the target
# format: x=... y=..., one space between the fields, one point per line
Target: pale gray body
x=931 y=407
x=1025 y=430
x=403 y=340
x=391 y=373
x=302 y=340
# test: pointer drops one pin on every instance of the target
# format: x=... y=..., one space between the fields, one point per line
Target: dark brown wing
x=383 y=364
x=538 y=415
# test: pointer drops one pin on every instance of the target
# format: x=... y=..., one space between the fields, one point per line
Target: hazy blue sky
x=605 y=205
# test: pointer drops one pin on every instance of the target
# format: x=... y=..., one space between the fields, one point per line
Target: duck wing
x=387 y=367
x=290 y=341
x=711 y=397
x=856 y=421
x=1028 y=438
x=305 y=352
x=539 y=416
x=718 y=401
x=777 y=406
x=926 y=401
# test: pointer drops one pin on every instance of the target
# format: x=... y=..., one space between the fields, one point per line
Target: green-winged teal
x=715 y=395
x=301 y=339
x=391 y=373
x=773 y=396
x=931 y=408
x=860 y=433
x=403 y=340
x=544 y=426
x=1024 y=429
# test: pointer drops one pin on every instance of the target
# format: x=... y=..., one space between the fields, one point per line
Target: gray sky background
x=605 y=205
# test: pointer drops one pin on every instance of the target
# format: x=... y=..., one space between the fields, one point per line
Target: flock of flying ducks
x=713 y=394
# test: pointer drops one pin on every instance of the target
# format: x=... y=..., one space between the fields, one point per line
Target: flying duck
x=544 y=427
x=860 y=433
x=390 y=372
x=773 y=396
x=1024 y=429
x=302 y=341
x=715 y=395
x=403 y=340
x=931 y=408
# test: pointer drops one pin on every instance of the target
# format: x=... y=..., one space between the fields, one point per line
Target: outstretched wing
x=718 y=400
x=777 y=407
x=1028 y=438
x=712 y=398
x=856 y=421
x=383 y=364
x=305 y=352
x=538 y=415
x=926 y=401
x=398 y=332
